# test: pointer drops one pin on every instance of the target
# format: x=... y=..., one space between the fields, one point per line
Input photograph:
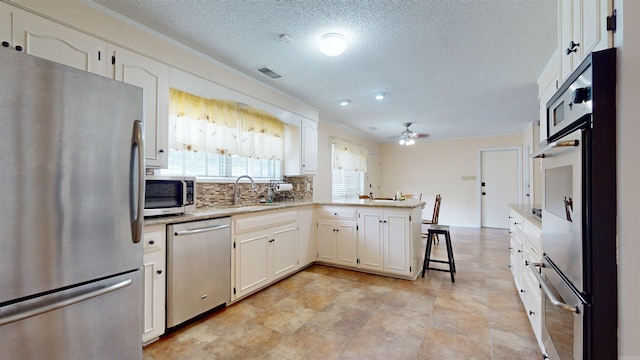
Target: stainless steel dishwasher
x=198 y=268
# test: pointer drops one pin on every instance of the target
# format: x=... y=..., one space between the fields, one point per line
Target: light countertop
x=212 y=213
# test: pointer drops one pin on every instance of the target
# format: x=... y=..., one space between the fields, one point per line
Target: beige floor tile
x=312 y=342
x=331 y=313
x=341 y=319
x=439 y=344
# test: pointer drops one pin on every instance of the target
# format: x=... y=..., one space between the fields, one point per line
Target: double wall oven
x=578 y=272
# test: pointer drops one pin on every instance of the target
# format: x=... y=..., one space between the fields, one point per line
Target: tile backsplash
x=215 y=194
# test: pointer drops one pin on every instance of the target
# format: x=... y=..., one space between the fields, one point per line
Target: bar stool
x=435 y=230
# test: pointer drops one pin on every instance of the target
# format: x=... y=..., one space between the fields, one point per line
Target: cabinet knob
x=18 y=48
x=531 y=312
x=151 y=242
x=521 y=290
x=159 y=272
x=272 y=240
x=6 y=44
x=161 y=151
x=573 y=47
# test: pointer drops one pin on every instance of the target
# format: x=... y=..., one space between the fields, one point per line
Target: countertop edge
x=525 y=211
x=255 y=208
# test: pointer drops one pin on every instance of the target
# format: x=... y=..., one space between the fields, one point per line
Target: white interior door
x=499 y=185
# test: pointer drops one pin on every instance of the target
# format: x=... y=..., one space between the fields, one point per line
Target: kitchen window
x=349 y=163
x=222 y=139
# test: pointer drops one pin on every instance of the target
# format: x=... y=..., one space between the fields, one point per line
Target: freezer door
x=106 y=326
x=67 y=189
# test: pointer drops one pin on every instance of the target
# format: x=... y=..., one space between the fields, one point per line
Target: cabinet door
x=397 y=241
x=593 y=20
x=5 y=25
x=306 y=237
x=326 y=240
x=154 y=275
x=283 y=246
x=565 y=36
x=153 y=77
x=252 y=262
x=52 y=41
x=370 y=239
x=347 y=243
x=309 y=131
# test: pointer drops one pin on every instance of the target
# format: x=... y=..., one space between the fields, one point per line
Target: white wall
x=628 y=175
x=437 y=167
x=322 y=181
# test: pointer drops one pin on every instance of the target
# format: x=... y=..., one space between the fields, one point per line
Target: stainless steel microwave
x=165 y=195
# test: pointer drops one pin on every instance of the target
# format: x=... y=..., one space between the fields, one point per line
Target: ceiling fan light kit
x=407 y=137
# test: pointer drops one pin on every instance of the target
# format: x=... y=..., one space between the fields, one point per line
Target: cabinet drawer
x=247 y=223
x=154 y=238
x=337 y=212
x=532 y=234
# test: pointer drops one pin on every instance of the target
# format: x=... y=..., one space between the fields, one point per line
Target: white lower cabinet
x=265 y=247
x=397 y=242
x=526 y=248
x=381 y=240
x=370 y=239
x=306 y=236
x=154 y=275
x=337 y=235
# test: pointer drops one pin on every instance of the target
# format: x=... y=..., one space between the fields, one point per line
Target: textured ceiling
x=456 y=68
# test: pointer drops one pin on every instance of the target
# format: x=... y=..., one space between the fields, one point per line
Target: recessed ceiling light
x=380 y=96
x=333 y=44
x=344 y=102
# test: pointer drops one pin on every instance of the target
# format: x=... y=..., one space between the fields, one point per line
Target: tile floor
x=331 y=313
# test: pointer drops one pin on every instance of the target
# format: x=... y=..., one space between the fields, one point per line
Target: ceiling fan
x=407 y=137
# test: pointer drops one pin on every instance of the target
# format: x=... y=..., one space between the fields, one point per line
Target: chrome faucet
x=236 y=192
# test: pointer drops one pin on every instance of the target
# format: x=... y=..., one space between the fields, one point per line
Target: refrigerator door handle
x=137 y=216
x=48 y=305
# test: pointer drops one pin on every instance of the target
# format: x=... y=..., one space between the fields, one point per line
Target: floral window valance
x=223 y=127
x=348 y=156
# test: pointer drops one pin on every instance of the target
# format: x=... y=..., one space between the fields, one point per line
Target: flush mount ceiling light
x=333 y=44
x=344 y=102
x=380 y=96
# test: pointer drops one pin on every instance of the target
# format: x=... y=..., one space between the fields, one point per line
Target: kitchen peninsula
x=271 y=241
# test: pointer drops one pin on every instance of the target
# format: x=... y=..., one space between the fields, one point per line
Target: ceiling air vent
x=270 y=73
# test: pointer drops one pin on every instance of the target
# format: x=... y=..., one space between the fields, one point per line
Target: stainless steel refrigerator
x=71 y=194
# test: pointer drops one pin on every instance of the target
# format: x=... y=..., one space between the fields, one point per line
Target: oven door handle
x=556 y=144
x=550 y=294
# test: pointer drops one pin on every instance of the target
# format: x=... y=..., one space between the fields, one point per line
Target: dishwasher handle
x=201 y=230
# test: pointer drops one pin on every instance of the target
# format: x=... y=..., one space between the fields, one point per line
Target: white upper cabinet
x=52 y=41
x=153 y=77
x=548 y=84
x=301 y=148
x=582 y=28
x=5 y=25
x=309 y=147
